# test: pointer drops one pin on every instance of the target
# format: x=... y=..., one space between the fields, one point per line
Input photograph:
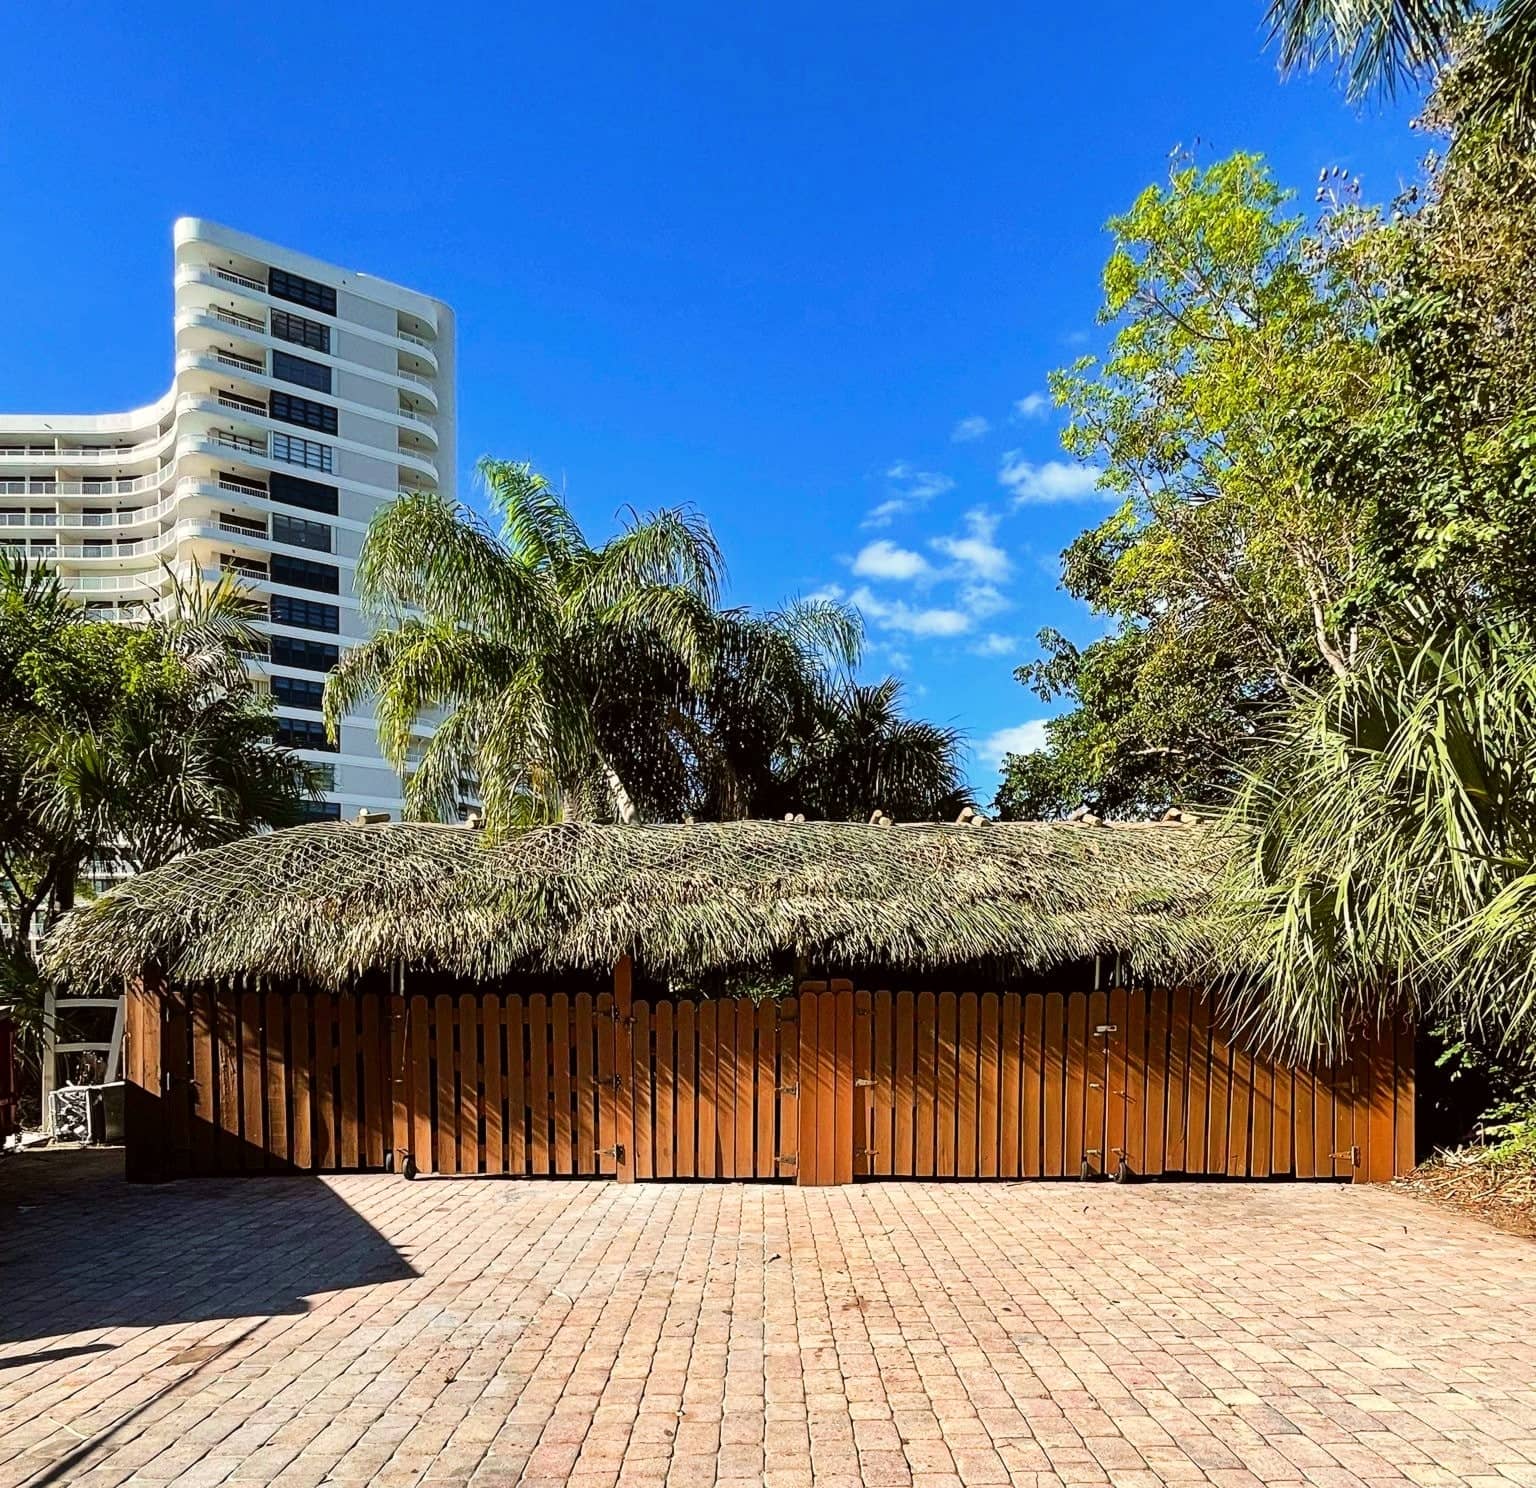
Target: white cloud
x=1053 y=481
x=884 y=560
x=982 y=600
x=910 y=489
x=993 y=644
x=900 y=616
x=971 y=428
x=976 y=554
x=1021 y=738
x=1032 y=406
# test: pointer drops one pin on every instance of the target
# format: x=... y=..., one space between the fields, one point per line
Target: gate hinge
x=616 y=1152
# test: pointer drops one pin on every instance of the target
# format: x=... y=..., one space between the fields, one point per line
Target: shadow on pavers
x=81 y=1249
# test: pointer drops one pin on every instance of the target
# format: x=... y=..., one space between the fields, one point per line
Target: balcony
x=240 y=442
x=242 y=281
x=85 y=454
x=241 y=404
x=253 y=365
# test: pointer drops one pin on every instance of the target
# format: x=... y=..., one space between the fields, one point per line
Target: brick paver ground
x=366 y=1329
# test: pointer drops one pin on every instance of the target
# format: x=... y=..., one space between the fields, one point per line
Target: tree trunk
x=623 y=802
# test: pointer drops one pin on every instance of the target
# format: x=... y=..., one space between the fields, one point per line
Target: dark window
x=299 y=532
x=302 y=332
x=293 y=409
x=297 y=369
x=294 y=490
x=319 y=811
x=282 y=285
x=298 y=692
x=312 y=656
x=301 y=573
x=307 y=614
x=304 y=733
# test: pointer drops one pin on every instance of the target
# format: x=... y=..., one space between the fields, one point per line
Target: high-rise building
x=304 y=398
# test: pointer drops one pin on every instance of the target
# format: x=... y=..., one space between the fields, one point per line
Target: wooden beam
x=624 y=1067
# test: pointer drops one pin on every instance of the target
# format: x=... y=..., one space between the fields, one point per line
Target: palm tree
x=127 y=744
x=528 y=647
x=1389 y=843
x=1376 y=45
x=864 y=754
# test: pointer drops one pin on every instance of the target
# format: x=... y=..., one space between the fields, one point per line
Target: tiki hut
x=809 y=1000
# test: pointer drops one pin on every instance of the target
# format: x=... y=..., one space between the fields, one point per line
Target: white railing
x=185 y=488
x=416 y=377
x=242 y=280
x=240 y=363
x=240 y=442
x=416 y=418
x=70 y=454
x=235 y=318
x=416 y=340
x=128 y=487
x=187 y=531
x=242 y=405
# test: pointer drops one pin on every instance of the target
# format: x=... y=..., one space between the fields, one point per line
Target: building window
x=299 y=532
x=294 y=490
x=306 y=614
x=304 y=733
x=292 y=409
x=298 y=692
x=311 y=656
x=305 y=373
x=282 y=285
x=320 y=811
x=300 y=573
x=302 y=332
x=309 y=453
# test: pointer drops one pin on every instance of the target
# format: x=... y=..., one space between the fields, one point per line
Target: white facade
x=305 y=397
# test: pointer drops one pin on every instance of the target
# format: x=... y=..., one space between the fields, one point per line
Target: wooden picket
x=831 y=1085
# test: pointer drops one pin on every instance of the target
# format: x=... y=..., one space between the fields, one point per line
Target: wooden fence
x=829 y=1086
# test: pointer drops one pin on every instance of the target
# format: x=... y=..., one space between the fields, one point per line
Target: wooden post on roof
x=144 y=1113
x=624 y=1068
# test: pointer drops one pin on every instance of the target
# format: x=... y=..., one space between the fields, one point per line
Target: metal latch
x=616 y=1152
x=788 y=1089
x=1104 y=1028
x=1352 y=1153
x=793 y=1158
x=864 y=1084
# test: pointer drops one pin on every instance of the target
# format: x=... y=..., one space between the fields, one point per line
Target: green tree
x=124 y=744
x=862 y=753
x=1375 y=45
x=1242 y=344
x=573 y=680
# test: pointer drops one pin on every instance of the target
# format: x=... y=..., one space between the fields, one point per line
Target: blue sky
x=804 y=266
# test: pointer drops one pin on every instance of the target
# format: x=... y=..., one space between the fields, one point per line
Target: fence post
x=624 y=1068
x=144 y=1114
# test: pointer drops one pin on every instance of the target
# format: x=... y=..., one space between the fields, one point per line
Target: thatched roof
x=327 y=902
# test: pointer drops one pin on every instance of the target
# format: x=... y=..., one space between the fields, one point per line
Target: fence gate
x=828 y=1086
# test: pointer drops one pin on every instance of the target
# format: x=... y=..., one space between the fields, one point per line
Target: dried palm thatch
x=328 y=902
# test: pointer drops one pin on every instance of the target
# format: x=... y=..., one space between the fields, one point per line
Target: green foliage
x=1228 y=571
x=1389 y=814
x=581 y=681
x=126 y=744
